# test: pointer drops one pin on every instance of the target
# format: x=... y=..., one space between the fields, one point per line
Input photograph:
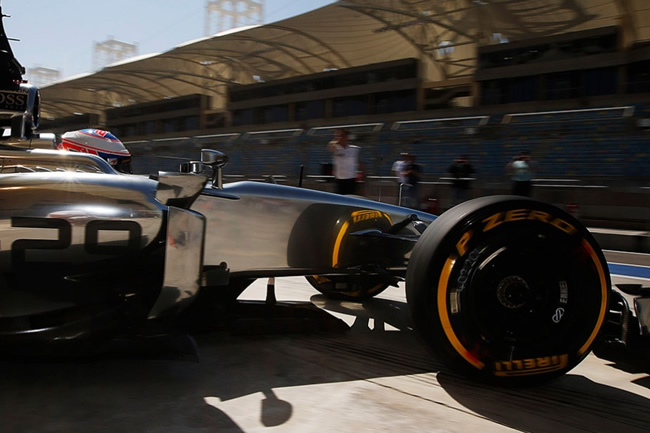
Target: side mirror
x=217 y=160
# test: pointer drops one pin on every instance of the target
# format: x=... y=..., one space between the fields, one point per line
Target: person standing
x=461 y=171
x=345 y=162
x=396 y=169
x=521 y=170
x=411 y=173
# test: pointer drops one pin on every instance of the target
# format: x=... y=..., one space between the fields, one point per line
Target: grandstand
x=597 y=154
x=590 y=144
x=438 y=79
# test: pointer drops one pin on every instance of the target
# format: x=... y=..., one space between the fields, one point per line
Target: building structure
x=111 y=51
x=468 y=53
x=221 y=15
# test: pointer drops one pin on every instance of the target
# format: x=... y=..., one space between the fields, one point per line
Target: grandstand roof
x=444 y=34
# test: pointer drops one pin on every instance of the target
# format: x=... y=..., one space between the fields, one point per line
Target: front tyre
x=508 y=290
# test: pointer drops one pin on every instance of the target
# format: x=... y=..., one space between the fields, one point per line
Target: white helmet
x=100 y=143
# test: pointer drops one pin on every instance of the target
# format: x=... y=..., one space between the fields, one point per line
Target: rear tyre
x=508 y=290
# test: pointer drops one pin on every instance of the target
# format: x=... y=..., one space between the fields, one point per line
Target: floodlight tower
x=40 y=76
x=111 y=51
x=223 y=15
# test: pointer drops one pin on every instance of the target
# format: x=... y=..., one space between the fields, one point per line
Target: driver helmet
x=100 y=143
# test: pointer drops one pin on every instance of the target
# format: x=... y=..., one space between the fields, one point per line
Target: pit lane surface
x=375 y=377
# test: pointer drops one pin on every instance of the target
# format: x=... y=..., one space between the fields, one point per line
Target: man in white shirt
x=397 y=168
x=345 y=162
x=521 y=168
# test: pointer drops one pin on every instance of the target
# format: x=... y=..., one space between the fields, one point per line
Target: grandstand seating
x=588 y=143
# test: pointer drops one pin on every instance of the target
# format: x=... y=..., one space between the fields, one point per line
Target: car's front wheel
x=508 y=289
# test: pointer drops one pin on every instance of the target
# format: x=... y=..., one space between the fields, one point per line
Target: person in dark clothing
x=462 y=172
x=411 y=172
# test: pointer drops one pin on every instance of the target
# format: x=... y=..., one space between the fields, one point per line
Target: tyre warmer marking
x=337 y=244
x=603 y=297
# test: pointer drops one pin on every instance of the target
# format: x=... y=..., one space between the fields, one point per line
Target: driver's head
x=100 y=143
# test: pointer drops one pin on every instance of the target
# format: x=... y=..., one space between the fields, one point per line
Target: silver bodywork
x=73 y=217
x=77 y=200
x=40 y=160
x=250 y=224
x=62 y=222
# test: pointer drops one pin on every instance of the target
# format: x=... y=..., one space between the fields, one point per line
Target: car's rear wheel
x=508 y=289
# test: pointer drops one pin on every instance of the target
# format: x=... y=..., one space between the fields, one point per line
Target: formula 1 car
x=503 y=288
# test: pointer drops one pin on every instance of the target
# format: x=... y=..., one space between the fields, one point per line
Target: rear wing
x=19 y=101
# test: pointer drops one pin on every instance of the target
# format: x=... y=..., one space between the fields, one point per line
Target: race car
x=503 y=288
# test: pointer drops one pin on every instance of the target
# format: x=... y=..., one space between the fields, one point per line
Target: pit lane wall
x=617 y=214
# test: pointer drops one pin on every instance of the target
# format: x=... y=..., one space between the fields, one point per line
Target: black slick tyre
x=508 y=290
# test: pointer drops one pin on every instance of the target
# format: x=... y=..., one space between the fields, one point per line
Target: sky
x=61 y=34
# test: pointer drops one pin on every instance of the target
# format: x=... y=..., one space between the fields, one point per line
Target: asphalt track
x=375 y=377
